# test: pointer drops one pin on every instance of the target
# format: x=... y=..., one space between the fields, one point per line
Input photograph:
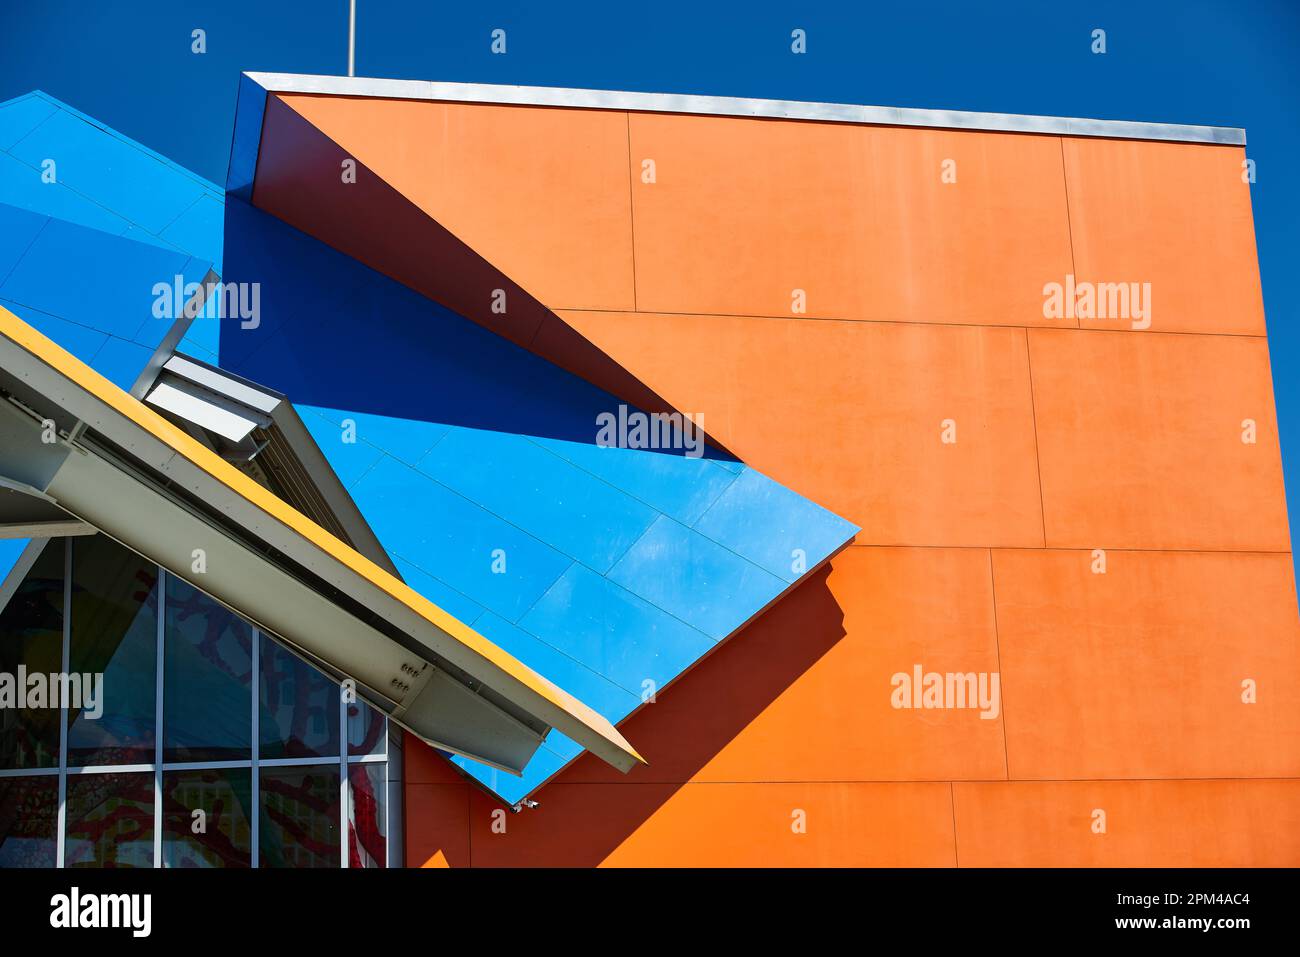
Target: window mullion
x=158 y=722
x=61 y=840
x=343 y=776
x=256 y=786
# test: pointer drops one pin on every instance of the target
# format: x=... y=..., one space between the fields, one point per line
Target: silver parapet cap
x=745 y=107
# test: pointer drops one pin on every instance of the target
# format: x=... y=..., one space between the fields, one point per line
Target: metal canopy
x=122 y=468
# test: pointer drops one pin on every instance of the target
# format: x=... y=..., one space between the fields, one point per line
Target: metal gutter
x=742 y=107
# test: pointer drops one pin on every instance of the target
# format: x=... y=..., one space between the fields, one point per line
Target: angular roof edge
x=171 y=164
x=743 y=107
x=155 y=451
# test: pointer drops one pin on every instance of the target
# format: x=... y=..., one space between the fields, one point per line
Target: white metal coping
x=745 y=107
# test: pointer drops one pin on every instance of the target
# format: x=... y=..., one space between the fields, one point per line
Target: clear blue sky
x=1230 y=63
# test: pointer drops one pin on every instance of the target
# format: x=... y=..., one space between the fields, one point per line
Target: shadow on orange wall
x=300 y=180
x=449 y=822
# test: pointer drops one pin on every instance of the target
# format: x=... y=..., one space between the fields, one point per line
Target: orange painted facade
x=1121 y=690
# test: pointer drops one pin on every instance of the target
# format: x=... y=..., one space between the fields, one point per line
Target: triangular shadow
x=330 y=331
x=299 y=180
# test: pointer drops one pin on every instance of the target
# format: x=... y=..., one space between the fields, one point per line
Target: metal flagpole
x=352 y=37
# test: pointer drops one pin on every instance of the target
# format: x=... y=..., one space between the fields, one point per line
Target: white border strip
x=736 y=106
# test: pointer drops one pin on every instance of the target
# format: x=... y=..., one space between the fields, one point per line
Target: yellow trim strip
x=63 y=362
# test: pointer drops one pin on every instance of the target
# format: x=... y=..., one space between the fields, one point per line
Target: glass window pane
x=367 y=823
x=207 y=818
x=114 y=632
x=299 y=708
x=110 y=820
x=367 y=730
x=29 y=821
x=207 y=679
x=299 y=826
x=31 y=635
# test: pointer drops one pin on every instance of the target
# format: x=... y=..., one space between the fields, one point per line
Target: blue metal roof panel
x=350 y=460
x=456 y=540
x=21 y=115
x=98 y=280
x=116 y=172
x=625 y=638
x=772 y=526
x=695 y=579
x=680 y=487
x=18 y=229
x=541 y=493
x=198 y=229
x=474 y=462
x=21 y=186
x=104 y=180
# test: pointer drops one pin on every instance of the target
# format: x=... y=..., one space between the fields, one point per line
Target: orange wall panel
x=723 y=825
x=1119 y=691
x=437 y=821
x=850 y=415
x=423 y=765
x=902 y=607
x=540 y=193
x=1140 y=441
x=1137 y=673
x=744 y=211
x=804 y=692
x=437 y=802
x=1148 y=824
x=1176 y=215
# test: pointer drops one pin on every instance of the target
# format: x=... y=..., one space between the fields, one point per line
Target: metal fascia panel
x=223 y=384
x=207 y=411
x=742 y=107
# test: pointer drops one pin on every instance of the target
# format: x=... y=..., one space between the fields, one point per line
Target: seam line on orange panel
x=1038 y=461
x=1069 y=225
x=947 y=323
x=1085 y=548
x=952 y=799
x=933 y=782
x=997 y=645
x=631 y=206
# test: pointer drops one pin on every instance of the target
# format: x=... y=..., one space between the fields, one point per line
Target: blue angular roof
x=103 y=179
x=108 y=182
x=80 y=255
x=609 y=570
x=89 y=291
